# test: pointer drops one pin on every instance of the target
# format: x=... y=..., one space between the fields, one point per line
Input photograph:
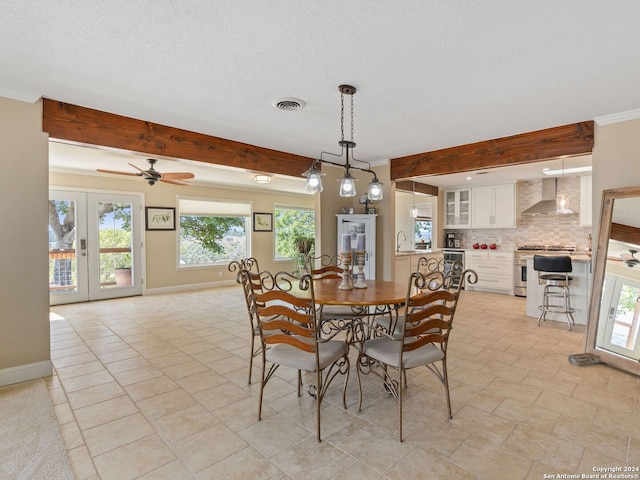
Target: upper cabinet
x=494 y=206
x=586 y=207
x=457 y=208
x=490 y=206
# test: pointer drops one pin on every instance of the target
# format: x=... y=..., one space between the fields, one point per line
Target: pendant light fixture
x=562 y=199
x=347 y=182
x=413 y=211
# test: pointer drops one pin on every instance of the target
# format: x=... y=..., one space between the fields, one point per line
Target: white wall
x=24 y=294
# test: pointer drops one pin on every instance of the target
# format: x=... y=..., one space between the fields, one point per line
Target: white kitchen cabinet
x=457 y=208
x=408 y=262
x=494 y=206
x=353 y=225
x=586 y=207
x=494 y=269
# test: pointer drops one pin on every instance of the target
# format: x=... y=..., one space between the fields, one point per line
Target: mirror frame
x=606 y=215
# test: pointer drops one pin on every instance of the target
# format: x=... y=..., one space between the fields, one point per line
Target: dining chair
x=251 y=266
x=422 y=340
x=290 y=336
x=328 y=267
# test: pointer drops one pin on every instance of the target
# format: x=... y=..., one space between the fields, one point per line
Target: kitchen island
x=580 y=288
x=406 y=261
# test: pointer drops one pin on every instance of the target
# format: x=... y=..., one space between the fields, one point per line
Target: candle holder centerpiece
x=359 y=261
x=347 y=282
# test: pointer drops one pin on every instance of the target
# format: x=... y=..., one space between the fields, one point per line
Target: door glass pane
x=114 y=224
x=625 y=326
x=63 y=266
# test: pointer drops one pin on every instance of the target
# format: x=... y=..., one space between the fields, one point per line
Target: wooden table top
x=378 y=292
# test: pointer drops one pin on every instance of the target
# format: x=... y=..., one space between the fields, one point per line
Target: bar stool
x=553 y=273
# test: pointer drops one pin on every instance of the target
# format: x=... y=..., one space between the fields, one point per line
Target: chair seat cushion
x=387 y=351
x=289 y=356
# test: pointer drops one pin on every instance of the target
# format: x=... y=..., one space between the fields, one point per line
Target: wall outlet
x=219 y=274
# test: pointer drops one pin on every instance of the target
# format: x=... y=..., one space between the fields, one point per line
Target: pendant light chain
x=341 y=116
x=352 y=117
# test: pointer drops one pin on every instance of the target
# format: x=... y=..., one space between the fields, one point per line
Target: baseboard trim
x=192 y=286
x=24 y=373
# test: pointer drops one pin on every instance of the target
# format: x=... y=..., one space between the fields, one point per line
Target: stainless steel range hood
x=547 y=206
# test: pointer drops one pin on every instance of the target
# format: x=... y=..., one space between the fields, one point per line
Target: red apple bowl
x=483 y=246
x=476 y=246
x=493 y=246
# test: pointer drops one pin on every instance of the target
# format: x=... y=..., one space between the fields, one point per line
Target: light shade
x=314 y=180
x=375 y=190
x=347 y=186
x=262 y=178
x=413 y=211
x=562 y=203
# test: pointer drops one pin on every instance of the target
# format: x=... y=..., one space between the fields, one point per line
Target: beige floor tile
x=178 y=405
x=116 y=433
x=489 y=461
x=96 y=394
x=427 y=464
x=134 y=459
x=103 y=412
x=184 y=423
x=165 y=403
x=149 y=388
x=242 y=465
x=207 y=447
x=274 y=434
x=312 y=460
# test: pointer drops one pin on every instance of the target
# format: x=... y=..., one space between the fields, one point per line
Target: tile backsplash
x=540 y=229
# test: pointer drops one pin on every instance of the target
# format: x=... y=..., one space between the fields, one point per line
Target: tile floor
x=156 y=387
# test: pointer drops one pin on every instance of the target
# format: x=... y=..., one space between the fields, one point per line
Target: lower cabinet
x=494 y=269
x=405 y=264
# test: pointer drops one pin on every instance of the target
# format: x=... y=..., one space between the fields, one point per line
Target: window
x=294 y=229
x=422 y=233
x=212 y=232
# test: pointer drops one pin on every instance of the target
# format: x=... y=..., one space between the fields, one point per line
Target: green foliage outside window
x=294 y=229
x=208 y=239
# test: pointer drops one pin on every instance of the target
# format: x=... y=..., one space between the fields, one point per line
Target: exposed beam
x=72 y=123
x=567 y=140
x=625 y=233
x=418 y=187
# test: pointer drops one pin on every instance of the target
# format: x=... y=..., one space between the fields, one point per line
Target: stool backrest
x=558 y=264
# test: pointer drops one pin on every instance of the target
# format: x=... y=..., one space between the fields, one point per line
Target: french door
x=95 y=246
x=621 y=305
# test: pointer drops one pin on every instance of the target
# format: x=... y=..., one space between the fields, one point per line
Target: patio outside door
x=94 y=246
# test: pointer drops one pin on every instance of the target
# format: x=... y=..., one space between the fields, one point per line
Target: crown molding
x=618 y=117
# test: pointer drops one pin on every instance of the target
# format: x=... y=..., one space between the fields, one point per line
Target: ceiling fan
x=630 y=260
x=152 y=175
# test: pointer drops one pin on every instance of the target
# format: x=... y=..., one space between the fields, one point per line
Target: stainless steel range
x=523 y=253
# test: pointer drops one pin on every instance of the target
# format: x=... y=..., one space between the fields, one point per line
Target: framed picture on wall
x=262 y=222
x=160 y=218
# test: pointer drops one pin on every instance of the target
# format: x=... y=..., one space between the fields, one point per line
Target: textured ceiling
x=430 y=74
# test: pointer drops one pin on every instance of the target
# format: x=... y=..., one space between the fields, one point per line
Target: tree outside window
x=294 y=231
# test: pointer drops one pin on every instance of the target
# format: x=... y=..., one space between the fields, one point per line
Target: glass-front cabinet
x=457 y=205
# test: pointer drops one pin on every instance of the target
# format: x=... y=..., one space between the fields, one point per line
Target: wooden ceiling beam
x=418 y=187
x=625 y=233
x=567 y=140
x=72 y=123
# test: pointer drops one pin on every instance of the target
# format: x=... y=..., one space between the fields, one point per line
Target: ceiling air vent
x=289 y=104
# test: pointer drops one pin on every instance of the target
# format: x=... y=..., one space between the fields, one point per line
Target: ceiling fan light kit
x=152 y=175
x=347 y=182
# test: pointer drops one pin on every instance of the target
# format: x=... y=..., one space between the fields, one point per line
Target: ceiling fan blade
x=178 y=175
x=173 y=181
x=137 y=168
x=117 y=172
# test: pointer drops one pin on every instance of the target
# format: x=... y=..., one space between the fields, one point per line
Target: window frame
x=281 y=206
x=247 y=226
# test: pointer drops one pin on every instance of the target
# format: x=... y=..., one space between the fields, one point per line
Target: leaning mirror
x=614 y=334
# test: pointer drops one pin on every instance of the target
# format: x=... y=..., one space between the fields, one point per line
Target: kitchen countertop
x=404 y=253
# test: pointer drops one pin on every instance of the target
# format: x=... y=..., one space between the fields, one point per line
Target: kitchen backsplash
x=540 y=229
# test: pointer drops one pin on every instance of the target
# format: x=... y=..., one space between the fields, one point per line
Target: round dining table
x=377 y=293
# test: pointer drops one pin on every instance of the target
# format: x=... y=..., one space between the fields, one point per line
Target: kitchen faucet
x=398 y=240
